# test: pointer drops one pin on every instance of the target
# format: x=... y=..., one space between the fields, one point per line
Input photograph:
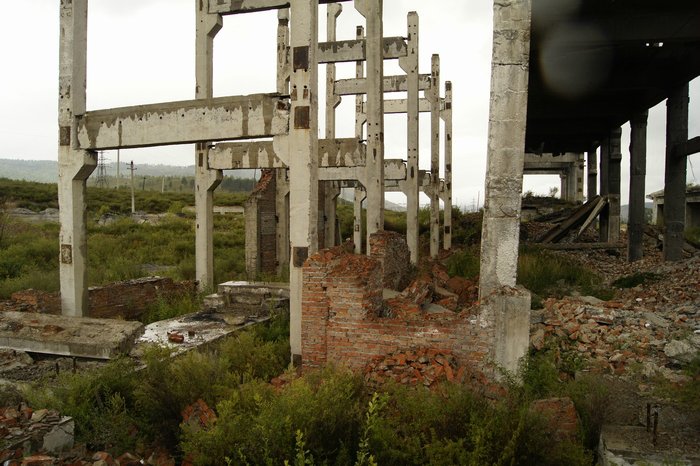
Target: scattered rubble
x=426 y=367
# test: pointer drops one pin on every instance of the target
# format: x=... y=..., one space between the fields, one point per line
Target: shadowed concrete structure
x=598 y=64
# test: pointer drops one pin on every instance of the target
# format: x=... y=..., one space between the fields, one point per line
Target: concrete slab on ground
x=630 y=445
x=190 y=331
x=67 y=336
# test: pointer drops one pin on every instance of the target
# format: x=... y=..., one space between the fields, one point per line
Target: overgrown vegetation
x=325 y=417
x=543 y=273
x=121 y=249
x=692 y=235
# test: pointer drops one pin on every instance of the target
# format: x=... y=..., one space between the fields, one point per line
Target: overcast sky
x=142 y=51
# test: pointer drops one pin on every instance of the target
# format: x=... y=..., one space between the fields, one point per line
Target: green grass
x=550 y=275
x=692 y=235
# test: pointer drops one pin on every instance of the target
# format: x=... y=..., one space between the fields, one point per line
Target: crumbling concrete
x=506 y=145
x=67 y=336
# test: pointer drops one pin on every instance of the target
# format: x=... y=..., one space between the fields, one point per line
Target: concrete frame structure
x=569 y=167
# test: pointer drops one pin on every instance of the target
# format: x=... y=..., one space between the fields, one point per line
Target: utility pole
x=133 y=201
x=118 y=168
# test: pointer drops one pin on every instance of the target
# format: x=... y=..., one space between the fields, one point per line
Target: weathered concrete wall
x=345 y=320
x=127 y=299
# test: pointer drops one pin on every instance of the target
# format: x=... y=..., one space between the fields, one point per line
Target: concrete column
x=506 y=145
x=374 y=179
x=604 y=170
x=579 y=177
x=638 y=172
x=409 y=65
x=434 y=98
x=592 y=188
x=303 y=154
x=614 y=180
x=360 y=196
x=447 y=194
x=281 y=175
x=331 y=189
x=360 y=120
x=282 y=209
x=206 y=180
x=675 y=177
x=564 y=186
x=74 y=166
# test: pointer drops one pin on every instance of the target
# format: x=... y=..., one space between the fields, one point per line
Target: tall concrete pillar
x=74 y=165
x=331 y=189
x=281 y=175
x=282 y=227
x=409 y=65
x=360 y=196
x=614 y=180
x=579 y=177
x=360 y=119
x=206 y=180
x=303 y=154
x=604 y=170
x=506 y=145
x=372 y=11
x=447 y=195
x=638 y=172
x=434 y=98
x=675 y=177
x=592 y=188
x=564 y=186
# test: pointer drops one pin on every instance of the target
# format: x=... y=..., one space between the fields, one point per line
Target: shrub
x=631 y=281
x=464 y=263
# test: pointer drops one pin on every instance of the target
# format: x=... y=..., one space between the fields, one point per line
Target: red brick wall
x=127 y=299
x=391 y=250
x=344 y=319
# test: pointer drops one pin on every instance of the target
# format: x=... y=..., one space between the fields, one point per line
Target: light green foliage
x=464 y=263
x=547 y=274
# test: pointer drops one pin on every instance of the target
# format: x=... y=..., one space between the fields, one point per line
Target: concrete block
x=61 y=437
x=67 y=336
x=510 y=308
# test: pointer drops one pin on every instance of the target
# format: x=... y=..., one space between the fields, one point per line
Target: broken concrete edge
x=68 y=336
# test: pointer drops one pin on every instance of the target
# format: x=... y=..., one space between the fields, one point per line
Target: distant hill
x=625 y=211
x=46 y=171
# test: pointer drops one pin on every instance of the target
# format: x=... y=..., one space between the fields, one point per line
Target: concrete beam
x=690 y=147
x=236 y=7
x=506 y=145
x=393 y=106
x=360 y=194
x=638 y=172
x=675 y=174
x=256 y=154
x=356 y=86
x=394 y=170
x=355 y=49
x=191 y=121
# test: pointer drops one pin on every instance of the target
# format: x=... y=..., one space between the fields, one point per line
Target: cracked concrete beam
x=355 y=86
x=235 y=7
x=190 y=121
x=355 y=49
x=394 y=170
x=238 y=155
x=401 y=105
